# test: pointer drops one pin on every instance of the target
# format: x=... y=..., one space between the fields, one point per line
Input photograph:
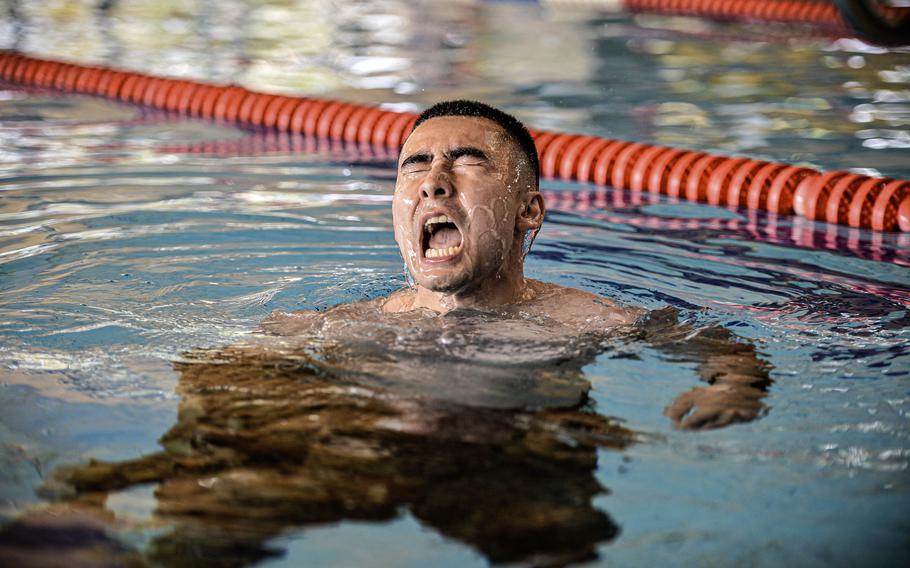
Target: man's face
x=461 y=183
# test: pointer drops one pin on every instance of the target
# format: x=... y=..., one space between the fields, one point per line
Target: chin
x=446 y=284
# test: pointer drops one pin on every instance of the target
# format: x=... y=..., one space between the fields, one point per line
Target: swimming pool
x=124 y=245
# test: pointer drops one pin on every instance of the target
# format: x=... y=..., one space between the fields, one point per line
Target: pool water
x=129 y=236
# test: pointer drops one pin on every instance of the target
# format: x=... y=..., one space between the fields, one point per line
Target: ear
x=530 y=212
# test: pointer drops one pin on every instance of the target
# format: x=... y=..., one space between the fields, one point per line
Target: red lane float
x=873 y=20
x=601 y=203
x=835 y=197
x=786 y=11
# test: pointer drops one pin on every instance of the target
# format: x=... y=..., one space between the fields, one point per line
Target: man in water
x=466 y=209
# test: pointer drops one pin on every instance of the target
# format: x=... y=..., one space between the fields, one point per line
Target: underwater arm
x=737 y=380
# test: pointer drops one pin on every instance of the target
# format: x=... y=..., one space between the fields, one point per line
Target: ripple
x=129 y=236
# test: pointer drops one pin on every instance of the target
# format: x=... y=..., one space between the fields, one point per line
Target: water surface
x=129 y=237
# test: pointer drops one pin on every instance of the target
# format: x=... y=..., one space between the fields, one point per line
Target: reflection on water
x=128 y=237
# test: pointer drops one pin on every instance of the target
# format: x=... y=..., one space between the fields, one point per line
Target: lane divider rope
x=607 y=205
x=841 y=197
x=823 y=14
x=876 y=21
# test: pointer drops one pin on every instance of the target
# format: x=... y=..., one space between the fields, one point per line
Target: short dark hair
x=515 y=129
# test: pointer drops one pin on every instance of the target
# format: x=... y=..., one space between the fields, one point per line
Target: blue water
x=121 y=247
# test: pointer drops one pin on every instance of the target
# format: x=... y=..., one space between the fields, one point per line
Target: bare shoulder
x=398 y=301
x=301 y=322
x=574 y=306
x=289 y=323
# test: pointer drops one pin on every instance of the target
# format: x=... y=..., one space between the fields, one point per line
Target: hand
x=715 y=406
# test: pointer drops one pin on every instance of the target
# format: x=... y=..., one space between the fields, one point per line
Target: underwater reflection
x=477 y=423
x=287 y=433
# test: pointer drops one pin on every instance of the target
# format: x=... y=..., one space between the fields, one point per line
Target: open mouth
x=441 y=238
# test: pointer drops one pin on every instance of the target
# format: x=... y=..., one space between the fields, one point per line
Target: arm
x=737 y=380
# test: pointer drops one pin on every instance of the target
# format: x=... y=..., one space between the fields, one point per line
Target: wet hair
x=515 y=129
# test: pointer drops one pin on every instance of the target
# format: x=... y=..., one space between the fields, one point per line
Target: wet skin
x=470 y=170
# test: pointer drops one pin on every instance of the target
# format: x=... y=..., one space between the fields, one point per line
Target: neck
x=506 y=287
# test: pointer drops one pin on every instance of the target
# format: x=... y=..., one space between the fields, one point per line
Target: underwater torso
x=513 y=356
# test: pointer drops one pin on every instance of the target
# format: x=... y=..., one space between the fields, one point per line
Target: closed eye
x=415 y=169
x=469 y=161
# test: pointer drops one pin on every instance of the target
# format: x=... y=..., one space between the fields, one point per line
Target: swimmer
x=466 y=210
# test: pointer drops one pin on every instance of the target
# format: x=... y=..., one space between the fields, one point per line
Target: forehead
x=447 y=132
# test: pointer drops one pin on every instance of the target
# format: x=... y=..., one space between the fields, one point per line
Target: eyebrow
x=471 y=151
x=452 y=155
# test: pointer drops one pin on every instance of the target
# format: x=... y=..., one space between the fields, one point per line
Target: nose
x=436 y=185
x=438 y=191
